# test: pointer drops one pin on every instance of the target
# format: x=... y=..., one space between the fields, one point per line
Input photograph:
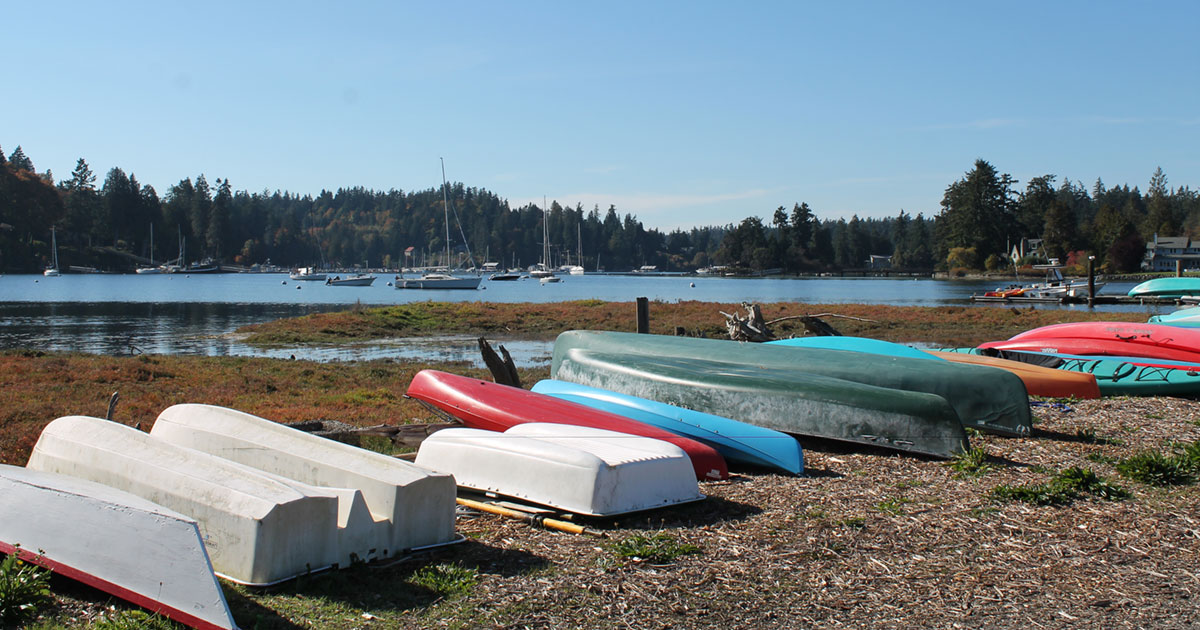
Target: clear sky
x=681 y=113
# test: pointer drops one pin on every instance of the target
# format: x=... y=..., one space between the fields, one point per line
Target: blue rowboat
x=737 y=441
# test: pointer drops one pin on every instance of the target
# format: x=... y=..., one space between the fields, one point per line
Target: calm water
x=180 y=314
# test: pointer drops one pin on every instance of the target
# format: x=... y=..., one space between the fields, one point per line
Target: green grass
x=24 y=590
x=447 y=580
x=658 y=548
x=893 y=506
x=970 y=463
x=1157 y=469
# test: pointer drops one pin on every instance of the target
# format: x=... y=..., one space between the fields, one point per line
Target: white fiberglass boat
x=113 y=541
x=578 y=469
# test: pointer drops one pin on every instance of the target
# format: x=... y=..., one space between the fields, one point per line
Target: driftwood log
x=504 y=372
x=409 y=435
x=753 y=328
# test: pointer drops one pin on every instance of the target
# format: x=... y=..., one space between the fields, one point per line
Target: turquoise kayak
x=775 y=397
x=1116 y=376
x=1167 y=287
x=857 y=344
x=983 y=398
x=736 y=441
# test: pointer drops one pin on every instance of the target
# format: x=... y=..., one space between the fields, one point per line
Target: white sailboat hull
x=438 y=281
x=113 y=541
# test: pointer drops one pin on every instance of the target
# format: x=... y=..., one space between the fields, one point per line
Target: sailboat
x=542 y=271
x=439 y=280
x=52 y=271
x=153 y=268
x=577 y=269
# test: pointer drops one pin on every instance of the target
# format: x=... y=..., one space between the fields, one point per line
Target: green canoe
x=985 y=398
x=775 y=397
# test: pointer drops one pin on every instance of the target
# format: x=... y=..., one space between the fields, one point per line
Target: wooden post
x=1178 y=268
x=1091 y=281
x=643 y=315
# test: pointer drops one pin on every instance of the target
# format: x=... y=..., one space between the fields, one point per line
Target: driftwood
x=753 y=328
x=504 y=372
x=410 y=435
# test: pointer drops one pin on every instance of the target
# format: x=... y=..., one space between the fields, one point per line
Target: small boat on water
x=579 y=469
x=353 y=280
x=483 y=405
x=735 y=441
x=52 y=271
x=438 y=280
x=1055 y=286
x=113 y=541
x=308 y=274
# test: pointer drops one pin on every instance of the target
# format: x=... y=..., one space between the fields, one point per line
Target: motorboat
x=578 y=469
x=1053 y=287
x=438 y=280
x=114 y=541
x=311 y=274
x=354 y=280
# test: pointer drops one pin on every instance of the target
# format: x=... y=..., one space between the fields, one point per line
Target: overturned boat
x=578 y=469
x=113 y=541
x=258 y=529
x=790 y=401
x=406 y=507
x=735 y=441
x=494 y=407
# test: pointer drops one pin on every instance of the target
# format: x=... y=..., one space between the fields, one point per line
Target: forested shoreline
x=982 y=216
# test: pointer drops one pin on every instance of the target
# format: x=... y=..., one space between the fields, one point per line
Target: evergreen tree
x=218 y=220
x=977 y=212
x=18 y=161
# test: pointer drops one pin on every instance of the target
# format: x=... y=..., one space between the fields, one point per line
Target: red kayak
x=485 y=405
x=1128 y=339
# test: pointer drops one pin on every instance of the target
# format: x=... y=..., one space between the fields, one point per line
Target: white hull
x=412 y=507
x=51 y=273
x=113 y=541
x=351 y=281
x=549 y=279
x=259 y=529
x=577 y=469
x=308 y=274
x=148 y=270
x=438 y=281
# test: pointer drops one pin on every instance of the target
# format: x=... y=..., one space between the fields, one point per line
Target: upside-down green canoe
x=984 y=398
x=776 y=397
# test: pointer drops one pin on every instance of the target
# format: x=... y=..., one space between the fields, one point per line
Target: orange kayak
x=1039 y=381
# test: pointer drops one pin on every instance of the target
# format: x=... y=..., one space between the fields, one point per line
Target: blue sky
x=681 y=113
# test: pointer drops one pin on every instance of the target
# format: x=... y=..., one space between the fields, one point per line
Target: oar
x=532 y=519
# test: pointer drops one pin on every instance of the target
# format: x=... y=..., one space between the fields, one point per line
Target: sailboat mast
x=445 y=212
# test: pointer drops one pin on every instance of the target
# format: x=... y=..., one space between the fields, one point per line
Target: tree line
x=982 y=216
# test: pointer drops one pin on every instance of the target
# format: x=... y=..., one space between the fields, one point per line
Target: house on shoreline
x=1163 y=252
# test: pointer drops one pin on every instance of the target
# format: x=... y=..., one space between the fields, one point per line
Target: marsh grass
x=970 y=463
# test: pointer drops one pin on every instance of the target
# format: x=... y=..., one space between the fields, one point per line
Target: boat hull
x=483 y=405
x=458 y=284
x=1167 y=288
x=776 y=398
x=578 y=469
x=1115 y=376
x=114 y=541
x=735 y=441
x=1135 y=339
x=982 y=398
x=408 y=507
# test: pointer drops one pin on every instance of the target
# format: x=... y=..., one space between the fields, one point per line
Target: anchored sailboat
x=439 y=280
x=52 y=270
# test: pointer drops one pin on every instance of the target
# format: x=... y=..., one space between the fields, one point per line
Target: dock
x=1096 y=301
